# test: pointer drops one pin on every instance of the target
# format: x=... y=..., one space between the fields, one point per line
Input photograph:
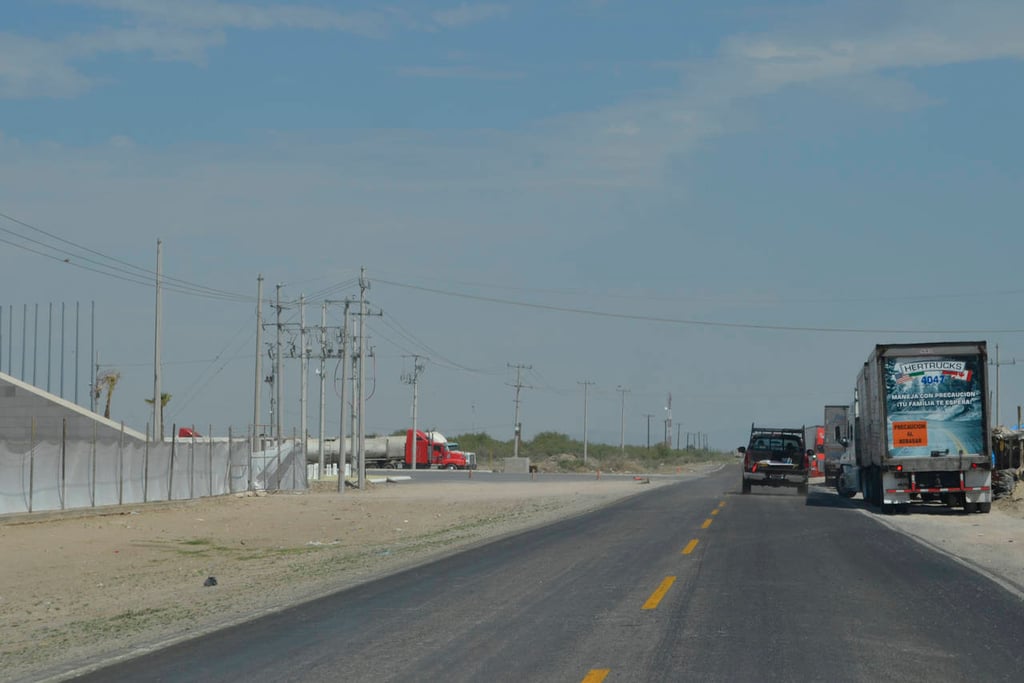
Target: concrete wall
x=21 y=402
x=517 y=465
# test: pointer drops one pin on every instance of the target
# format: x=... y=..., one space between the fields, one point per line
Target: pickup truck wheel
x=746 y=486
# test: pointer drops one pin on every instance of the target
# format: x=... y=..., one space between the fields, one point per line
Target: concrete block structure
x=28 y=414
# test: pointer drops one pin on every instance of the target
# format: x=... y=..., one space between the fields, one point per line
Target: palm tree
x=165 y=398
x=109 y=379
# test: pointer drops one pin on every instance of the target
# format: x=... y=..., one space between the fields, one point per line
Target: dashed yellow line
x=657 y=595
x=707 y=523
x=596 y=675
x=714 y=512
x=690 y=546
x=722 y=504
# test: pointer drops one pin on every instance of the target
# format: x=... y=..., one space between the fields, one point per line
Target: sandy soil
x=80 y=588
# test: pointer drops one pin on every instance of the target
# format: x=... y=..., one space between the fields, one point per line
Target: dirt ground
x=80 y=588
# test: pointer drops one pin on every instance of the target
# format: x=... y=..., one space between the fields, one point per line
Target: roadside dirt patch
x=81 y=588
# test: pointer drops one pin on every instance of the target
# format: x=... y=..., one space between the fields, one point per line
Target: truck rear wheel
x=985 y=508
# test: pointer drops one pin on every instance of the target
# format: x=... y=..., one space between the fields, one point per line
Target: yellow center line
x=707 y=523
x=595 y=675
x=656 y=596
x=714 y=512
x=689 y=547
x=722 y=504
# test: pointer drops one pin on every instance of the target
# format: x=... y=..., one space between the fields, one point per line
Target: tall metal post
x=77 y=354
x=320 y=373
x=304 y=378
x=622 y=420
x=517 y=428
x=49 y=347
x=61 y=349
x=341 y=422
x=363 y=286
x=158 y=425
x=92 y=355
x=586 y=385
x=258 y=388
x=24 y=339
x=278 y=379
x=35 y=345
x=411 y=443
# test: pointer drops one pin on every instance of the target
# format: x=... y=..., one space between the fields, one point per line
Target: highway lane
x=690 y=581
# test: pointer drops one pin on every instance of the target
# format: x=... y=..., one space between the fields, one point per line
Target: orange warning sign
x=909 y=434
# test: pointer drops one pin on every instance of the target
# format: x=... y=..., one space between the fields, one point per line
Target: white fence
x=64 y=475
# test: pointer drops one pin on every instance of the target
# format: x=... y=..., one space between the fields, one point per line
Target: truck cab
x=456 y=459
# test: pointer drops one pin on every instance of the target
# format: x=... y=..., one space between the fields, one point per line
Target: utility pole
x=320 y=373
x=648 y=416
x=341 y=421
x=413 y=379
x=668 y=422
x=158 y=425
x=364 y=284
x=586 y=384
x=518 y=385
x=259 y=364
x=622 y=419
x=998 y=363
x=35 y=345
x=49 y=351
x=278 y=379
x=304 y=376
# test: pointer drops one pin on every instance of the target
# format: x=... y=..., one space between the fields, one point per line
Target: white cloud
x=36 y=68
x=466 y=14
x=216 y=15
x=121 y=142
x=459 y=71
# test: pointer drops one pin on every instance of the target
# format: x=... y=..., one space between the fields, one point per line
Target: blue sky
x=745 y=197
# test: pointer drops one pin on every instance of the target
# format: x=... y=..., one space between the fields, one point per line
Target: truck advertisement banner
x=935 y=406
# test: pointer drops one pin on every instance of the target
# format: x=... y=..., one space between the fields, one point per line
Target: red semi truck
x=431 y=449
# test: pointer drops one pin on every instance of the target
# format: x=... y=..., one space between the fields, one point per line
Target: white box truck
x=920 y=426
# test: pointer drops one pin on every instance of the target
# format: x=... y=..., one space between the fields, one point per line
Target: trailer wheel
x=985 y=508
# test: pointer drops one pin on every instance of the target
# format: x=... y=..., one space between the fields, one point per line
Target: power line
x=718 y=299
x=123 y=270
x=686 y=321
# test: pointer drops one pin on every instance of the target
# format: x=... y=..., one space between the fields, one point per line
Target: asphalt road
x=692 y=581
